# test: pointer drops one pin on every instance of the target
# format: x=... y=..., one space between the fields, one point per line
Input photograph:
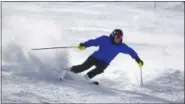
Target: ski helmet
x=117 y=33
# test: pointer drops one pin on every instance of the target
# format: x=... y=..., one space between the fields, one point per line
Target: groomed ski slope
x=157 y=35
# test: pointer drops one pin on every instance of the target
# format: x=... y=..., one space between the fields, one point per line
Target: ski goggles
x=118 y=36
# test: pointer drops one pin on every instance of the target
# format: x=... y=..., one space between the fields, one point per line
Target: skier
x=109 y=47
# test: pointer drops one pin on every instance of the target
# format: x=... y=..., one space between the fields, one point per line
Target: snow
x=157 y=35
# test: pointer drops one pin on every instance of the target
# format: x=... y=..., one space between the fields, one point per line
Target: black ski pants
x=91 y=61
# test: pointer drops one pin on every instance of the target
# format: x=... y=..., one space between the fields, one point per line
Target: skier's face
x=117 y=38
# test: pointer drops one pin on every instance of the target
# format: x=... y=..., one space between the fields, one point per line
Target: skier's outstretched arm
x=128 y=50
x=92 y=42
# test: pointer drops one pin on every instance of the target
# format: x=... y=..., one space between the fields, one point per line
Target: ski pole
x=54 y=47
x=141 y=76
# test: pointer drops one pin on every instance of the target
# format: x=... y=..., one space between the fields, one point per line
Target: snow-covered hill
x=157 y=35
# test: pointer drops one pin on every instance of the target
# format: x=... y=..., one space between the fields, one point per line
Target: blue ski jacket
x=107 y=50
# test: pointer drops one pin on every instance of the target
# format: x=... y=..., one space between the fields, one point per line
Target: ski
x=94 y=83
x=74 y=76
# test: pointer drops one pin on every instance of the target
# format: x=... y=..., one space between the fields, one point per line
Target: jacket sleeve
x=94 y=42
x=128 y=50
